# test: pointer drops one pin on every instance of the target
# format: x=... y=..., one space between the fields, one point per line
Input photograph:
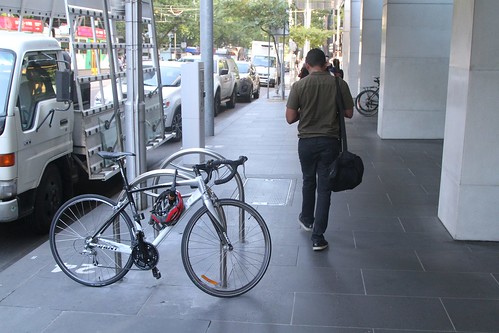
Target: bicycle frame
x=201 y=193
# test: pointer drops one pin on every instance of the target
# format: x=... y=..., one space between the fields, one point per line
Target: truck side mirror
x=63 y=81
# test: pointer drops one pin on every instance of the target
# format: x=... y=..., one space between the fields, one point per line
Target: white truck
x=49 y=133
x=264 y=58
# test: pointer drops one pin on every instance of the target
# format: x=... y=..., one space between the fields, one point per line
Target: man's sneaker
x=304 y=225
x=319 y=244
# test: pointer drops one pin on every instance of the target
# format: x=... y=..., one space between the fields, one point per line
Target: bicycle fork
x=218 y=219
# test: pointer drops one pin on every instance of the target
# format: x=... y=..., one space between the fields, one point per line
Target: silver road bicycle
x=225 y=246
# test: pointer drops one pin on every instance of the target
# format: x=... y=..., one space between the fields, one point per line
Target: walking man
x=312 y=102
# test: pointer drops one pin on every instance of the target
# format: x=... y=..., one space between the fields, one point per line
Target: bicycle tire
x=73 y=225
x=367 y=102
x=202 y=254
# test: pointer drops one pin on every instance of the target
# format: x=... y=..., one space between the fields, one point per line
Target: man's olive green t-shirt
x=315 y=99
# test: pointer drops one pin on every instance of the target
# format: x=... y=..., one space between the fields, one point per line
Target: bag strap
x=341 y=114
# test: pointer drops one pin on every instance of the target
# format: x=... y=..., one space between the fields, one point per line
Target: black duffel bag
x=346 y=172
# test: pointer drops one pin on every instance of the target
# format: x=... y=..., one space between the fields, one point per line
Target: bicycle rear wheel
x=220 y=271
x=93 y=262
x=367 y=103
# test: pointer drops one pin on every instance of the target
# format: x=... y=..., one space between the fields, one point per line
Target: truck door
x=44 y=134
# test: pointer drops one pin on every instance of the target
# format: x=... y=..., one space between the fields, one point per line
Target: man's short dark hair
x=315 y=57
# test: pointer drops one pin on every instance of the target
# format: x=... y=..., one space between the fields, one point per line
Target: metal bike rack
x=240 y=187
x=202 y=151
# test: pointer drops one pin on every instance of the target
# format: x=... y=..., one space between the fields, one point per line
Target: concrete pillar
x=370 y=41
x=415 y=46
x=351 y=42
x=469 y=188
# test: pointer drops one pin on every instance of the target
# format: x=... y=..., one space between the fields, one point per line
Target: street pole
x=206 y=28
x=134 y=106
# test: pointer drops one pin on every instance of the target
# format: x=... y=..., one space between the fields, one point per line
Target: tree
x=181 y=16
x=316 y=36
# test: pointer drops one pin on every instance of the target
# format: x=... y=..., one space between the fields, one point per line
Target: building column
x=415 y=46
x=351 y=42
x=370 y=41
x=469 y=188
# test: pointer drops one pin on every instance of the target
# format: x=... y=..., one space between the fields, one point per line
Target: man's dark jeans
x=316 y=155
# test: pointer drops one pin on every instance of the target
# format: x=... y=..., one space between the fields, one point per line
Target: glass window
x=37 y=84
x=6 y=68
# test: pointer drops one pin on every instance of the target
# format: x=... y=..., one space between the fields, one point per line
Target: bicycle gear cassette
x=145 y=256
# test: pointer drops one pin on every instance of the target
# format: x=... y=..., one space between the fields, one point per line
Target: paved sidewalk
x=391 y=265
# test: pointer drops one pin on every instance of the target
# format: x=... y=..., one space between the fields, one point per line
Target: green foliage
x=236 y=22
x=316 y=36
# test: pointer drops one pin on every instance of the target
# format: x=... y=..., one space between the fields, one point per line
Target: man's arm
x=292 y=115
x=349 y=113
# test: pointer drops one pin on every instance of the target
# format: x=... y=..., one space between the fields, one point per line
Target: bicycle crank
x=145 y=255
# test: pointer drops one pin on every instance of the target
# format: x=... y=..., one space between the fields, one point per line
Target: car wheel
x=256 y=94
x=216 y=104
x=250 y=93
x=232 y=101
x=177 y=125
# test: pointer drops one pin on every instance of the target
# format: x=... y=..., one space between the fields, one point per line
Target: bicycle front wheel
x=88 y=258
x=226 y=271
x=367 y=103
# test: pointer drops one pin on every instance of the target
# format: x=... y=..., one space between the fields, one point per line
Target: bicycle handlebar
x=212 y=165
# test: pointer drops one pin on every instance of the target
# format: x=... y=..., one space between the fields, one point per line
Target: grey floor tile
x=406 y=240
x=259 y=305
x=218 y=327
x=340 y=257
x=413 y=196
x=459 y=260
x=77 y=322
x=358 y=209
x=313 y=279
x=119 y=298
x=430 y=284
x=423 y=224
x=25 y=319
x=473 y=315
x=283 y=255
x=367 y=224
x=415 y=313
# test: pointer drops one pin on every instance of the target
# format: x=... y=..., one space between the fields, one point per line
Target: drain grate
x=265 y=191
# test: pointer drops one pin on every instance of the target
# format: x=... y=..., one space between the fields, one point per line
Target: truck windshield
x=263 y=61
x=6 y=68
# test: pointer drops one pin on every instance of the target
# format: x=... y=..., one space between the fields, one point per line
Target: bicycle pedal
x=156 y=273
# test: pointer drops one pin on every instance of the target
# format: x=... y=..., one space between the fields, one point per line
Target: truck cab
x=35 y=129
x=267 y=69
x=264 y=58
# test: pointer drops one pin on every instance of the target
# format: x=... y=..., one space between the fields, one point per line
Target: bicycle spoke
x=87 y=260
x=220 y=270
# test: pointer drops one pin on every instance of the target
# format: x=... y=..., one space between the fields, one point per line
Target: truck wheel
x=49 y=196
x=232 y=101
x=216 y=104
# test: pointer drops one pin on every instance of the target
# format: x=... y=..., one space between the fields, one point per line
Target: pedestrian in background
x=312 y=103
x=329 y=66
x=303 y=72
x=336 y=70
